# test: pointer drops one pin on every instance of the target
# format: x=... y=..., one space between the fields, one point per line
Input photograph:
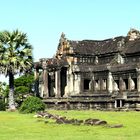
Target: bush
x=32 y=104
x=2 y=106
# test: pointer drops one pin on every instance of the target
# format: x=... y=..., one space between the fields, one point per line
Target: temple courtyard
x=17 y=126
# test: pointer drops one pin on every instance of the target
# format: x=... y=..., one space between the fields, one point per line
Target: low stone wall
x=73 y=104
x=98 y=101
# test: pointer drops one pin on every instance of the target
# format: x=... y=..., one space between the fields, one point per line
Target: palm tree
x=2 y=89
x=15 y=58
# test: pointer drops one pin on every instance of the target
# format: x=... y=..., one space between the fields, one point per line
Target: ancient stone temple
x=91 y=73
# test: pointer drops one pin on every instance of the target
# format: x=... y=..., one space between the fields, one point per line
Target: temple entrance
x=51 y=85
x=63 y=80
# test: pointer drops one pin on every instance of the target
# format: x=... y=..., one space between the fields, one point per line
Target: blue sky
x=45 y=20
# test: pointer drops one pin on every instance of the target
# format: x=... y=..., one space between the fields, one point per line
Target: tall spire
x=62 y=38
x=133 y=34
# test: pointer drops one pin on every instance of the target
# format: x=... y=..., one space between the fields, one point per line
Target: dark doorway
x=51 y=85
x=126 y=83
x=63 y=80
x=135 y=81
x=118 y=103
x=86 y=84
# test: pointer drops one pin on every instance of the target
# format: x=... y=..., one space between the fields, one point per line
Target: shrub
x=32 y=104
x=2 y=105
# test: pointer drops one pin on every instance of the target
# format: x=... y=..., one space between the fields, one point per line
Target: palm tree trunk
x=11 y=92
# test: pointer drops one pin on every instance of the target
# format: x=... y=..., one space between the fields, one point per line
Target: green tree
x=25 y=80
x=15 y=57
x=23 y=87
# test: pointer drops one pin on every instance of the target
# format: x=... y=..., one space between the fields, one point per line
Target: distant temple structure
x=91 y=74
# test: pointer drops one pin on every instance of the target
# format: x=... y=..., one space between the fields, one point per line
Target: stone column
x=104 y=84
x=71 y=84
x=110 y=82
x=45 y=81
x=101 y=84
x=121 y=84
x=115 y=105
x=41 y=86
x=115 y=86
x=57 y=84
x=131 y=84
x=120 y=103
x=138 y=80
x=36 y=78
x=77 y=84
x=92 y=87
x=67 y=91
x=96 y=85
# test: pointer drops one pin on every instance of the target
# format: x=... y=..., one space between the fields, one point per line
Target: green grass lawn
x=15 y=126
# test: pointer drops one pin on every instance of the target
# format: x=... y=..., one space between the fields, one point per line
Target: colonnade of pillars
x=121 y=84
x=45 y=89
x=110 y=84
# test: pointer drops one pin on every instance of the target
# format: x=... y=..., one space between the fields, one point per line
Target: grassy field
x=15 y=126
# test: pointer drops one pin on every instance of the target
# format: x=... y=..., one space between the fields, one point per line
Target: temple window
x=86 y=84
x=120 y=59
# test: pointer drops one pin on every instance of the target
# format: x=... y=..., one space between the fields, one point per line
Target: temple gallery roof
x=132 y=47
x=94 y=47
x=128 y=44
